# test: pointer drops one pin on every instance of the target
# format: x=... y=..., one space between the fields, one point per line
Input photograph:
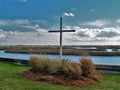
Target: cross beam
x=53 y=31
x=62 y=31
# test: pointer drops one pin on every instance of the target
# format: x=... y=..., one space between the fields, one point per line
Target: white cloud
x=24 y=0
x=21 y=21
x=39 y=36
x=14 y=22
x=31 y=26
x=92 y=10
x=73 y=9
x=98 y=23
x=118 y=21
x=3 y=22
x=42 y=37
x=69 y=14
x=87 y=34
x=2 y=36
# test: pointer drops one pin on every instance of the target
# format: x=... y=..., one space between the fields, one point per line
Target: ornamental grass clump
x=40 y=64
x=63 y=67
x=87 y=66
x=34 y=63
x=56 y=67
x=72 y=70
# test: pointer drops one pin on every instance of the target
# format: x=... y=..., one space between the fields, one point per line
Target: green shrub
x=87 y=66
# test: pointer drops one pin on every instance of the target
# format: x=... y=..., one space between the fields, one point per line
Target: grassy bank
x=10 y=79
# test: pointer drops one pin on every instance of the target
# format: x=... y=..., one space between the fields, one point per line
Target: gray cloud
x=87 y=34
x=2 y=23
x=118 y=20
x=108 y=34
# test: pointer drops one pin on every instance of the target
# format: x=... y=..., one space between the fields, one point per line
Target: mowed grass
x=10 y=79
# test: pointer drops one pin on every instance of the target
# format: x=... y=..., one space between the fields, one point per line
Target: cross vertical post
x=60 y=52
x=60 y=38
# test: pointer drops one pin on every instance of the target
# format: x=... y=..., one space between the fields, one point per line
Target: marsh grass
x=67 y=50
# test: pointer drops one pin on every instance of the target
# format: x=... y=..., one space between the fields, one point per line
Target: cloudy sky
x=97 y=22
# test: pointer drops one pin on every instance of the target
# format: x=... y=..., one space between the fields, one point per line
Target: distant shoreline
x=83 y=50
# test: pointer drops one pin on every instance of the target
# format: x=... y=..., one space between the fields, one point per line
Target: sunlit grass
x=10 y=79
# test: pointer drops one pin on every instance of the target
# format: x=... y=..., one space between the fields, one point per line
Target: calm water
x=105 y=60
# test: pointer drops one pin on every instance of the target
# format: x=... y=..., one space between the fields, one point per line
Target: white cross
x=61 y=35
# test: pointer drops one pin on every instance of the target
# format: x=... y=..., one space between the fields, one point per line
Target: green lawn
x=10 y=79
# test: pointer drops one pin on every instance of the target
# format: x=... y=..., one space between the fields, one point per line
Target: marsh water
x=104 y=60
